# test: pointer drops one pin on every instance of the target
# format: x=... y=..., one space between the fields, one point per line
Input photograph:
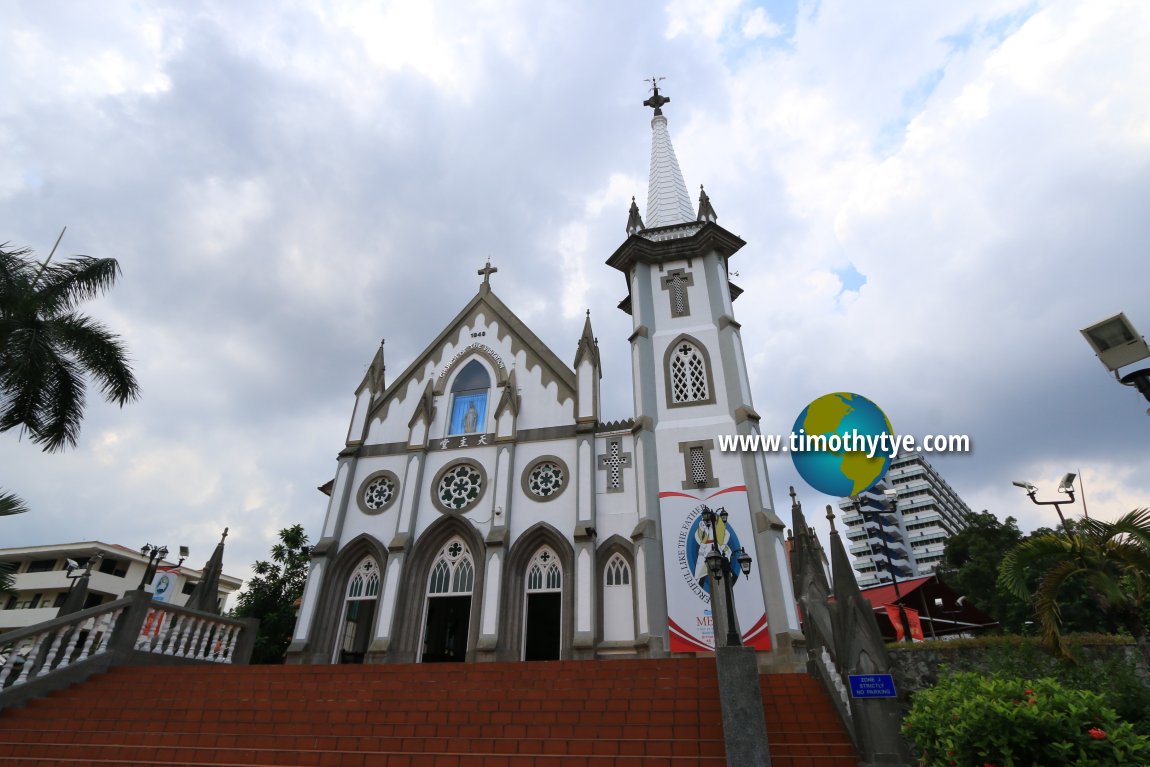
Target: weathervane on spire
x=657 y=101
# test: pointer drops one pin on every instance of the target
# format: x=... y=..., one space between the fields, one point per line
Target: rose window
x=379 y=493
x=545 y=479
x=460 y=487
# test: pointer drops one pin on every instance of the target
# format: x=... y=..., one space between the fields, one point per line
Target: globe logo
x=828 y=448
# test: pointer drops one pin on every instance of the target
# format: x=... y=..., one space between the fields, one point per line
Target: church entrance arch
x=448 y=604
x=358 y=612
x=542 y=628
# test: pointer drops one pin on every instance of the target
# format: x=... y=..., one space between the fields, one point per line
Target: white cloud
x=285 y=185
x=759 y=24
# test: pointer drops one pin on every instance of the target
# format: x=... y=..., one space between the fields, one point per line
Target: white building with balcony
x=42 y=582
x=914 y=532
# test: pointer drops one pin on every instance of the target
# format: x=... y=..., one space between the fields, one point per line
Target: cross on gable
x=613 y=462
x=487 y=271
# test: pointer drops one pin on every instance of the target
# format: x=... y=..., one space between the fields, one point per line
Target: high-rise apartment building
x=912 y=530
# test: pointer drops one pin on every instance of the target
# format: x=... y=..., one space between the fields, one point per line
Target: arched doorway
x=448 y=608
x=358 y=612
x=542 y=627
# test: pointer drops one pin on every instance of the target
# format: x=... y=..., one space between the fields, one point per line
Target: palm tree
x=1111 y=558
x=9 y=505
x=47 y=349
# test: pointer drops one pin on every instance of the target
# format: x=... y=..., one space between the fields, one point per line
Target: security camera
x=1026 y=486
x=71 y=564
x=1067 y=484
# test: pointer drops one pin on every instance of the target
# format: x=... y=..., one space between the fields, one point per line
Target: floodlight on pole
x=1117 y=344
x=1066 y=486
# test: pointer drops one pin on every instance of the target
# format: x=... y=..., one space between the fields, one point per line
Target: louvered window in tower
x=698 y=467
x=688 y=374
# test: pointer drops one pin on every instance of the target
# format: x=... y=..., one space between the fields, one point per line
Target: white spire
x=667 y=199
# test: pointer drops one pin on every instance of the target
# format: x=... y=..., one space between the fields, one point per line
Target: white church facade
x=482 y=510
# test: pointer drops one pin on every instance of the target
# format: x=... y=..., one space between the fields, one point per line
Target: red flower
x=1029 y=692
x=1097 y=733
x=989 y=764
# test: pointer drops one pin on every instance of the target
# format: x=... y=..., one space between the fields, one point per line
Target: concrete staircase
x=625 y=713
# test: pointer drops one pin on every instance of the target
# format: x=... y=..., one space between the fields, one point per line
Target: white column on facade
x=491 y=584
x=331 y=522
x=410 y=494
x=502 y=495
x=310 y=600
x=388 y=598
x=641 y=590
x=586 y=468
x=584 y=587
x=784 y=576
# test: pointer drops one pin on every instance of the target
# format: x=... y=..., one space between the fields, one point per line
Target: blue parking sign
x=872 y=686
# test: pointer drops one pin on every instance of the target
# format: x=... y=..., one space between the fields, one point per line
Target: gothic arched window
x=618 y=600
x=358 y=612
x=544 y=573
x=618 y=572
x=453 y=571
x=688 y=376
x=469 y=399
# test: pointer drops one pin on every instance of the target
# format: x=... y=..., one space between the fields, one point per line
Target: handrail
x=129 y=631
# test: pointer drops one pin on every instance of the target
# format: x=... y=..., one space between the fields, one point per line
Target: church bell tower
x=691 y=386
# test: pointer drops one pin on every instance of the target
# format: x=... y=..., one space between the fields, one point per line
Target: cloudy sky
x=936 y=196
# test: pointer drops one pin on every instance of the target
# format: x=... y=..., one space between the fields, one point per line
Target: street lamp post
x=720 y=568
x=1066 y=486
x=154 y=555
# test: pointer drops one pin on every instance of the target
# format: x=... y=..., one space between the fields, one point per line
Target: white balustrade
x=165 y=630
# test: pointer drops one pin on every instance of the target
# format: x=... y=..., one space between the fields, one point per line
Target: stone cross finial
x=657 y=101
x=831 y=518
x=487 y=271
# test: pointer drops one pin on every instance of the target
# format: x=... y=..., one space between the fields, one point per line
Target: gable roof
x=538 y=355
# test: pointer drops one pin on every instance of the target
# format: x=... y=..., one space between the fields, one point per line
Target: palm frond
x=64 y=409
x=11 y=504
x=102 y=355
x=63 y=285
x=1028 y=555
x=15 y=272
x=47 y=350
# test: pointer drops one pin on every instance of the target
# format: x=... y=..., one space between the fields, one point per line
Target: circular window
x=378 y=492
x=545 y=479
x=459 y=486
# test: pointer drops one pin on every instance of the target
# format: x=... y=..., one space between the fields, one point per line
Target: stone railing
x=132 y=631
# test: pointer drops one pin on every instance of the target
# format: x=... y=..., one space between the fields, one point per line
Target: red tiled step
x=635 y=713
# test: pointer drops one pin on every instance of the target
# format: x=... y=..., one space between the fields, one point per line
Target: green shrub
x=1111 y=675
x=976 y=720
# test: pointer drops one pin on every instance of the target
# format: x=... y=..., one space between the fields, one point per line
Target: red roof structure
x=942 y=610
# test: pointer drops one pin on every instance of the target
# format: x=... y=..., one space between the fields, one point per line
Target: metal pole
x=890 y=569
x=733 y=638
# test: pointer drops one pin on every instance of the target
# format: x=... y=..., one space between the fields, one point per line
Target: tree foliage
x=1110 y=560
x=971 y=563
x=48 y=350
x=271 y=595
x=970 y=566
x=9 y=505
